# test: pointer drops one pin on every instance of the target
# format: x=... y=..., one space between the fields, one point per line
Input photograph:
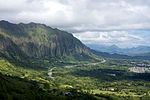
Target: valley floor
x=105 y=80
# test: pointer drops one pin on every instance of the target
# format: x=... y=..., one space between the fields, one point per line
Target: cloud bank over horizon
x=110 y=20
x=122 y=39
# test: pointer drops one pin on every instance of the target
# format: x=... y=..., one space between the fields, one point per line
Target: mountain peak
x=4 y=22
x=114 y=46
x=43 y=42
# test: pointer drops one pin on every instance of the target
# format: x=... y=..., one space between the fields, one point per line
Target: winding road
x=50 y=71
x=87 y=64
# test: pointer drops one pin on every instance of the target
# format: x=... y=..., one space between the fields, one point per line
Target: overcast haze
x=125 y=23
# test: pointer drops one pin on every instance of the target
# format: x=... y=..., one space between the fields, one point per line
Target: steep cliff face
x=39 y=41
x=9 y=48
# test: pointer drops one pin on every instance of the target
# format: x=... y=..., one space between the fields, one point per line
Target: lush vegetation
x=37 y=41
x=28 y=52
x=109 y=80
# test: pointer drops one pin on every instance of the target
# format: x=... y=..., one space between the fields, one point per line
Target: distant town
x=138 y=67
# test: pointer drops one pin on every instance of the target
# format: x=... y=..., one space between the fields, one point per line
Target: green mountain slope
x=22 y=42
x=14 y=88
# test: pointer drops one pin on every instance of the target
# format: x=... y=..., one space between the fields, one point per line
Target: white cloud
x=120 y=38
x=88 y=18
x=80 y=15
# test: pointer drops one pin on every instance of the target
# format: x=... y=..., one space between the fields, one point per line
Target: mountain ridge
x=21 y=41
x=121 y=56
x=125 y=51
